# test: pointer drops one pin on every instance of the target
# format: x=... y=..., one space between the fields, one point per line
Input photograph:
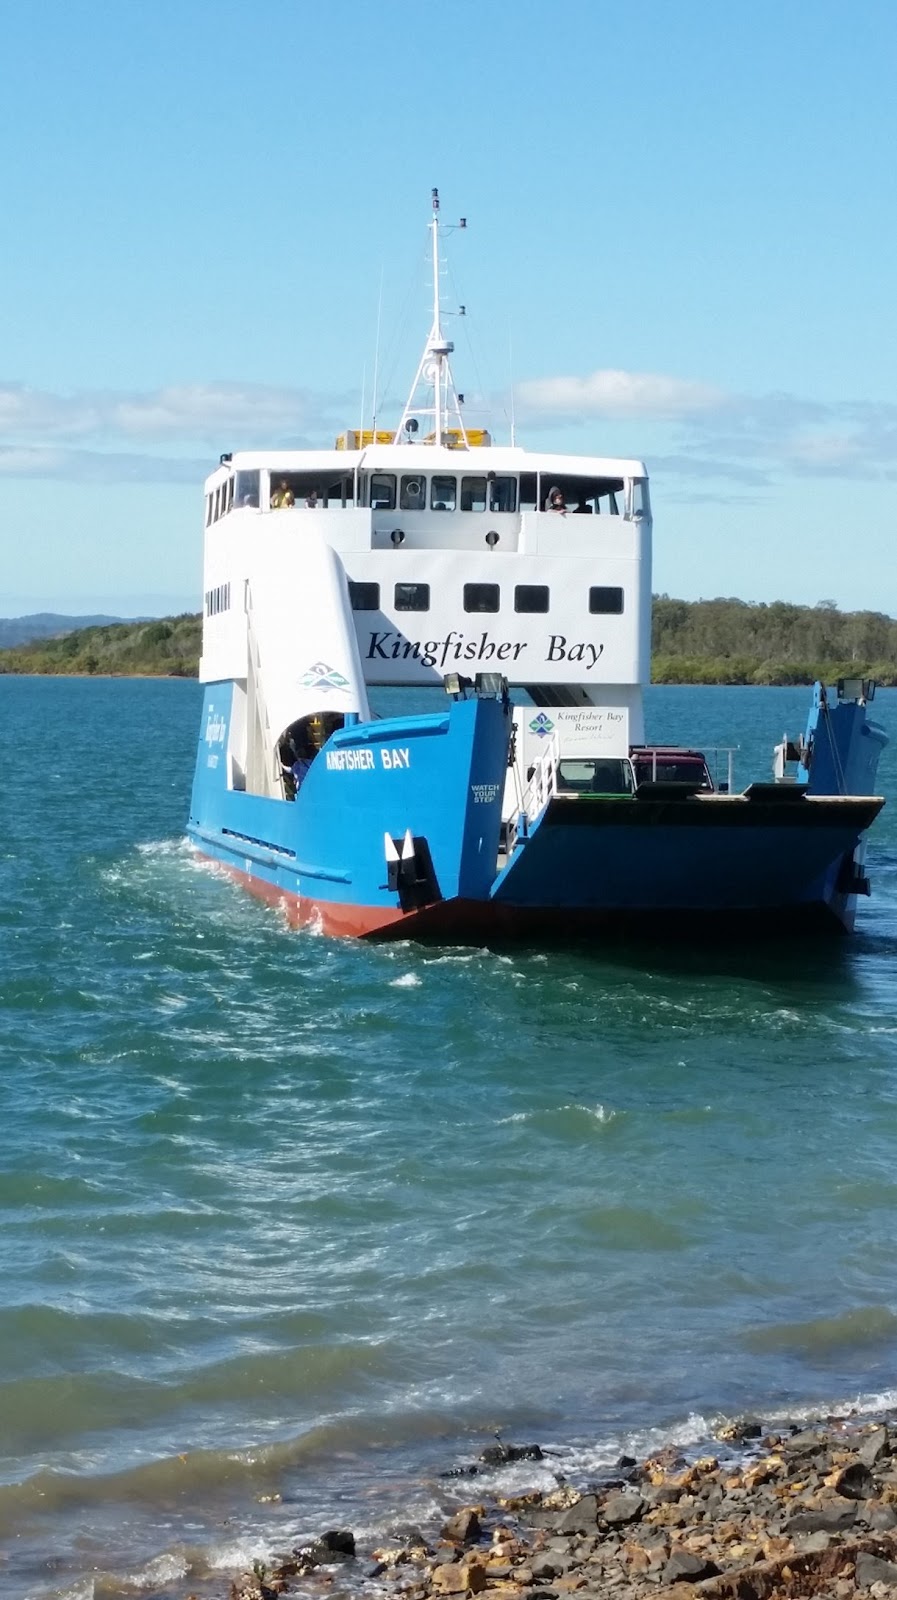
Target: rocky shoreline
x=796 y=1512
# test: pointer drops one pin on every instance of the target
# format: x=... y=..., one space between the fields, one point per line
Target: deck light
x=397 y=537
x=490 y=685
x=455 y=684
x=492 y=538
x=862 y=689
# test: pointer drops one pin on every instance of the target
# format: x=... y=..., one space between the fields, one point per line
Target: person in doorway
x=282 y=498
x=299 y=769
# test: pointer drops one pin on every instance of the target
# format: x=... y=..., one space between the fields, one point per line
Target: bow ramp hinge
x=409 y=871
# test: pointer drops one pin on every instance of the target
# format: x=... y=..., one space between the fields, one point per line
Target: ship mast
x=433 y=381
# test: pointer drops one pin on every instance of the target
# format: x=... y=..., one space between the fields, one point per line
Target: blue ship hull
x=396 y=832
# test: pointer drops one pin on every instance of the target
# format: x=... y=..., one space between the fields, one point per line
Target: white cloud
x=90 y=436
x=699 y=432
x=95 y=466
x=750 y=440
x=193 y=412
x=609 y=393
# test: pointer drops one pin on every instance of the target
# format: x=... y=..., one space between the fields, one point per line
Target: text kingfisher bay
x=387 y=645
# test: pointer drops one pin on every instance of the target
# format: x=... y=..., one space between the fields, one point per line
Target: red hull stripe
x=340 y=921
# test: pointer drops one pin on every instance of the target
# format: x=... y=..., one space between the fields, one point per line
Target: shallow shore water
x=798 y=1511
x=290 y=1227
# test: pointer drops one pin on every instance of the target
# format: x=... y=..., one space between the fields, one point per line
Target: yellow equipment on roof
x=453 y=438
x=360 y=438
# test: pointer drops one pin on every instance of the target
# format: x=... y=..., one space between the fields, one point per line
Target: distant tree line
x=731 y=641
x=693 y=641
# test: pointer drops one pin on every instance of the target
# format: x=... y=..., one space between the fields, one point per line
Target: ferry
x=526 y=802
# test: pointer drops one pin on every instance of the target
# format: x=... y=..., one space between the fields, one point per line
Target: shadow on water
x=829 y=960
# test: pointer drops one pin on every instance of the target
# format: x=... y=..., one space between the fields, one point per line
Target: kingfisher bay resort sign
x=384 y=644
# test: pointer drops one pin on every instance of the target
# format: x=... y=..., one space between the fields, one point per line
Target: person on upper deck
x=583 y=506
x=311 y=499
x=556 y=501
x=282 y=498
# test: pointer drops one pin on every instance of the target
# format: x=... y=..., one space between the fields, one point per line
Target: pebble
x=813 y=1515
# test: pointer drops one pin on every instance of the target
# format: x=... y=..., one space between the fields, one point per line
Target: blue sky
x=681 y=223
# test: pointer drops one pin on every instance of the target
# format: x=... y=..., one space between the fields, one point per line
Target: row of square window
x=528 y=597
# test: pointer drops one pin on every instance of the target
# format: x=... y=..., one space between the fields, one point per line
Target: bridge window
x=383 y=491
x=531 y=597
x=502 y=494
x=527 y=489
x=310 y=491
x=582 y=496
x=605 y=602
x=443 y=493
x=481 y=596
x=412 y=597
x=209 y=504
x=492 y=493
x=412 y=493
x=364 y=596
x=473 y=494
x=247 y=491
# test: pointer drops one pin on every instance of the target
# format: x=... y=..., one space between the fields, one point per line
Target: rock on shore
x=809 y=1513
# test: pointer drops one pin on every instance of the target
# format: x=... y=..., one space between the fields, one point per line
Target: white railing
x=542 y=786
x=717 y=751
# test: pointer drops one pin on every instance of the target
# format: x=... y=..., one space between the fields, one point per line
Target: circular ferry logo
x=541 y=726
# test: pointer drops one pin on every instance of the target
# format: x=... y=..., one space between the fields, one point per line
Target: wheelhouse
x=420 y=489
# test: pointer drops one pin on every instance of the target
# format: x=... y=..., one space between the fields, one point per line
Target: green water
x=287 y=1216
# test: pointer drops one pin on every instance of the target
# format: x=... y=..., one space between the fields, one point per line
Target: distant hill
x=694 y=641
x=165 y=648
x=44 y=625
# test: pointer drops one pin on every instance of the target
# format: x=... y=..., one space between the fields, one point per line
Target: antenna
x=434 y=373
x=375 y=397
x=511 y=379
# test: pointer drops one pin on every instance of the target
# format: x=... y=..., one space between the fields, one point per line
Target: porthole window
x=607 y=602
x=364 y=596
x=412 y=492
x=412 y=597
x=481 y=596
x=531 y=597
